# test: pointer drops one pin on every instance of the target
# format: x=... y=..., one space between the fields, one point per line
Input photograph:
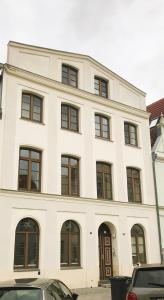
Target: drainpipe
x=1 y=83
x=154 y=156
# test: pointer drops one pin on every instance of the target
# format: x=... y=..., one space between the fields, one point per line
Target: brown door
x=105 y=252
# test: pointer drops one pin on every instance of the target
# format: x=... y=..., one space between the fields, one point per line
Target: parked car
x=147 y=283
x=35 y=289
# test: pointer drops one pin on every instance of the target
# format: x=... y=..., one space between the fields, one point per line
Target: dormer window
x=101 y=87
x=69 y=75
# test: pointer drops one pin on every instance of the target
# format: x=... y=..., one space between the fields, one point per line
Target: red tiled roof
x=156 y=108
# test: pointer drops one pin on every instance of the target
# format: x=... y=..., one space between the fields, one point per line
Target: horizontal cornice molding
x=60 y=198
x=48 y=82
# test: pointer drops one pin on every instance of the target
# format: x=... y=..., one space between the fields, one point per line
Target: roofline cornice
x=48 y=82
x=77 y=55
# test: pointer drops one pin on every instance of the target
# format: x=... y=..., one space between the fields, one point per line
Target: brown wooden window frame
x=130 y=135
x=134 y=182
x=30 y=160
x=69 y=117
x=99 y=90
x=137 y=233
x=101 y=126
x=31 y=107
x=68 y=237
x=70 y=168
x=26 y=234
x=68 y=79
x=103 y=175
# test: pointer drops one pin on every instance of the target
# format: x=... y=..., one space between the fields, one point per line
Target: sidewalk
x=96 y=293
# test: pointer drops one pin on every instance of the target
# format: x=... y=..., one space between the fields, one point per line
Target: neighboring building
x=157 y=141
x=77 y=195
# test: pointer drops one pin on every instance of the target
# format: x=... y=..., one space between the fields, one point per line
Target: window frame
x=69 y=107
x=29 y=176
x=101 y=117
x=69 y=236
x=100 y=83
x=137 y=244
x=32 y=95
x=69 y=167
x=127 y=134
x=69 y=69
x=26 y=235
x=104 y=190
x=133 y=184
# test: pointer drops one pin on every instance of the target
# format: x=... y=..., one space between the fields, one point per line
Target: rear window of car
x=147 y=278
x=20 y=294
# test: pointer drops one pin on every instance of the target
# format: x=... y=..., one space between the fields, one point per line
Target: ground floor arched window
x=26 y=245
x=138 y=245
x=70 y=244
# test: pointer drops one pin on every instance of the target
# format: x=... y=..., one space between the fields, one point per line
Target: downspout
x=1 y=83
x=154 y=156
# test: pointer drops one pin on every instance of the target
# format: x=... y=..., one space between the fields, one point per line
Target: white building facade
x=77 y=194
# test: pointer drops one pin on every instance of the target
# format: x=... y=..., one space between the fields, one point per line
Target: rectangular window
x=104 y=181
x=69 y=75
x=29 y=170
x=101 y=87
x=133 y=184
x=31 y=107
x=70 y=176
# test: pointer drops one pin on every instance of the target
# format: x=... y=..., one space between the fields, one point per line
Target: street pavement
x=96 y=293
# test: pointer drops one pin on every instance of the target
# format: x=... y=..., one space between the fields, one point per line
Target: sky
x=127 y=36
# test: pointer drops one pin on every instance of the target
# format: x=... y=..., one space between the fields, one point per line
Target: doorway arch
x=105 y=252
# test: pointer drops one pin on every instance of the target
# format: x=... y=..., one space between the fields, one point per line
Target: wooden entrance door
x=105 y=252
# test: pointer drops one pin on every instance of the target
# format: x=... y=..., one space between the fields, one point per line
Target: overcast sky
x=127 y=36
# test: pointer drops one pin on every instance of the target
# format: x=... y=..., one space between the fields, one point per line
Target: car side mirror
x=74 y=296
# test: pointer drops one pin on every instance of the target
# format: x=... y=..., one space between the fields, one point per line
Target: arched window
x=70 y=75
x=102 y=127
x=69 y=117
x=32 y=107
x=26 y=245
x=130 y=132
x=70 y=244
x=138 y=245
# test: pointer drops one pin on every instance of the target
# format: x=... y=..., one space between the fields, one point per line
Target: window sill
x=70 y=130
x=133 y=146
x=71 y=268
x=32 y=121
x=103 y=139
x=26 y=270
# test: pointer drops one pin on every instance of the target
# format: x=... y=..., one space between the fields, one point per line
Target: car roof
x=27 y=282
x=149 y=266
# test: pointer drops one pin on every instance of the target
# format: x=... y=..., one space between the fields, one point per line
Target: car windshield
x=147 y=278
x=20 y=294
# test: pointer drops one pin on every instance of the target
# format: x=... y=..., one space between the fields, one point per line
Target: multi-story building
x=156 y=110
x=77 y=196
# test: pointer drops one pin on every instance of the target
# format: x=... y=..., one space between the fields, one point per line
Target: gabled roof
x=77 y=55
x=156 y=108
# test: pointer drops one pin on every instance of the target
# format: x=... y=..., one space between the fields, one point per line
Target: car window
x=66 y=292
x=54 y=291
x=20 y=294
x=149 y=278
